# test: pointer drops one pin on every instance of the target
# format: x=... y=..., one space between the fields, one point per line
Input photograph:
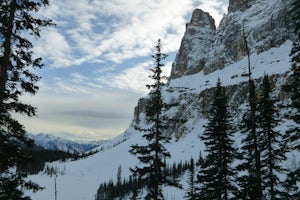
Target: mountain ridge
x=52 y=142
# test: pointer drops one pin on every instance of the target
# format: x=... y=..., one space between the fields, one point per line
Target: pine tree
x=292 y=190
x=119 y=182
x=190 y=194
x=216 y=174
x=251 y=180
x=153 y=154
x=272 y=152
x=292 y=136
x=17 y=23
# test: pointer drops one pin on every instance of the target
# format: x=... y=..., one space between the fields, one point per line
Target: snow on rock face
x=188 y=98
x=264 y=22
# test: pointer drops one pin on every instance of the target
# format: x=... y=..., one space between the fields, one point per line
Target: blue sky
x=97 y=59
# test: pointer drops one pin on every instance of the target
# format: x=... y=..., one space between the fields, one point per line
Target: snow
x=82 y=178
x=273 y=61
x=52 y=142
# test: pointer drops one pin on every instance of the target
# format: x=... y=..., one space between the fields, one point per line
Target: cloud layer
x=115 y=30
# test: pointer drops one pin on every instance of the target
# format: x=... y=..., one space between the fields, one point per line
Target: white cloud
x=54 y=47
x=78 y=78
x=118 y=29
x=216 y=8
x=131 y=79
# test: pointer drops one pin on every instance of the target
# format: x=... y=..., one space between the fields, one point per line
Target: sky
x=97 y=60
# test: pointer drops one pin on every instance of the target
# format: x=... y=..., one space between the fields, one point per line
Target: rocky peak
x=203 y=48
x=202 y=19
x=241 y=5
x=199 y=30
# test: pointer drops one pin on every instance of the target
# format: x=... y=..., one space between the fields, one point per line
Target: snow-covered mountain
x=206 y=53
x=52 y=142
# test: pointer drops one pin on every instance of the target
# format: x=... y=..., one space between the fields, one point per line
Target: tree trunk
x=7 y=51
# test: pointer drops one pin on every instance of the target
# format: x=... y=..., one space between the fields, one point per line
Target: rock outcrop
x=199 y=33
x=203 y=48
x=240 y=5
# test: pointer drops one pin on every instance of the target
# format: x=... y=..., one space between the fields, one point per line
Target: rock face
x=203 y=48
x=206 y=49
x=190 y=58
x=241 y=5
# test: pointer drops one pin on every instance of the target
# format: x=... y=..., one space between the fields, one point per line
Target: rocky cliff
x=195 y=45
x=204 y=48
x=207 y=53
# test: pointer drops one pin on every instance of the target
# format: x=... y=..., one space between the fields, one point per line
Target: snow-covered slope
x=81 y=179
x=51 y=142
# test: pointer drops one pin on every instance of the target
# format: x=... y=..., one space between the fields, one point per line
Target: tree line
x=37 y=157
x=130 y=188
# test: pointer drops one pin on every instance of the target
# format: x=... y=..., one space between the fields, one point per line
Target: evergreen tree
x=292 y=190
x=216 y=174
x=17 y=23
x=134 y=189
x=153 y=154
x=119 y=183
x=251 y=180
x=190 y=194
x=292 y=136
x=272 y=152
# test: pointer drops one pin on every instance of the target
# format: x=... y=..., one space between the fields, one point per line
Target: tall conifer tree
x=191 y=194
x=294 y=88
x=251 y=181
x=17 y=22
x=292 y=136
x=217 y=176
x=272 y=151
x=153 y=155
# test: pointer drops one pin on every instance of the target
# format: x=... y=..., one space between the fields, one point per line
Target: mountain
x=206 y=54
x=51 y=142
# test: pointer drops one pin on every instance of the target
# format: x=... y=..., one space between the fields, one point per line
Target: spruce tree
x=251 y=180
x=292 y=136
x=272 y=151
x=216 y=175
x=119 y=182
x=190 y=193
x=18 y=22
x=153 y=155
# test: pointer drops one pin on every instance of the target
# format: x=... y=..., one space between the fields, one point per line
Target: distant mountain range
x=52 y=142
